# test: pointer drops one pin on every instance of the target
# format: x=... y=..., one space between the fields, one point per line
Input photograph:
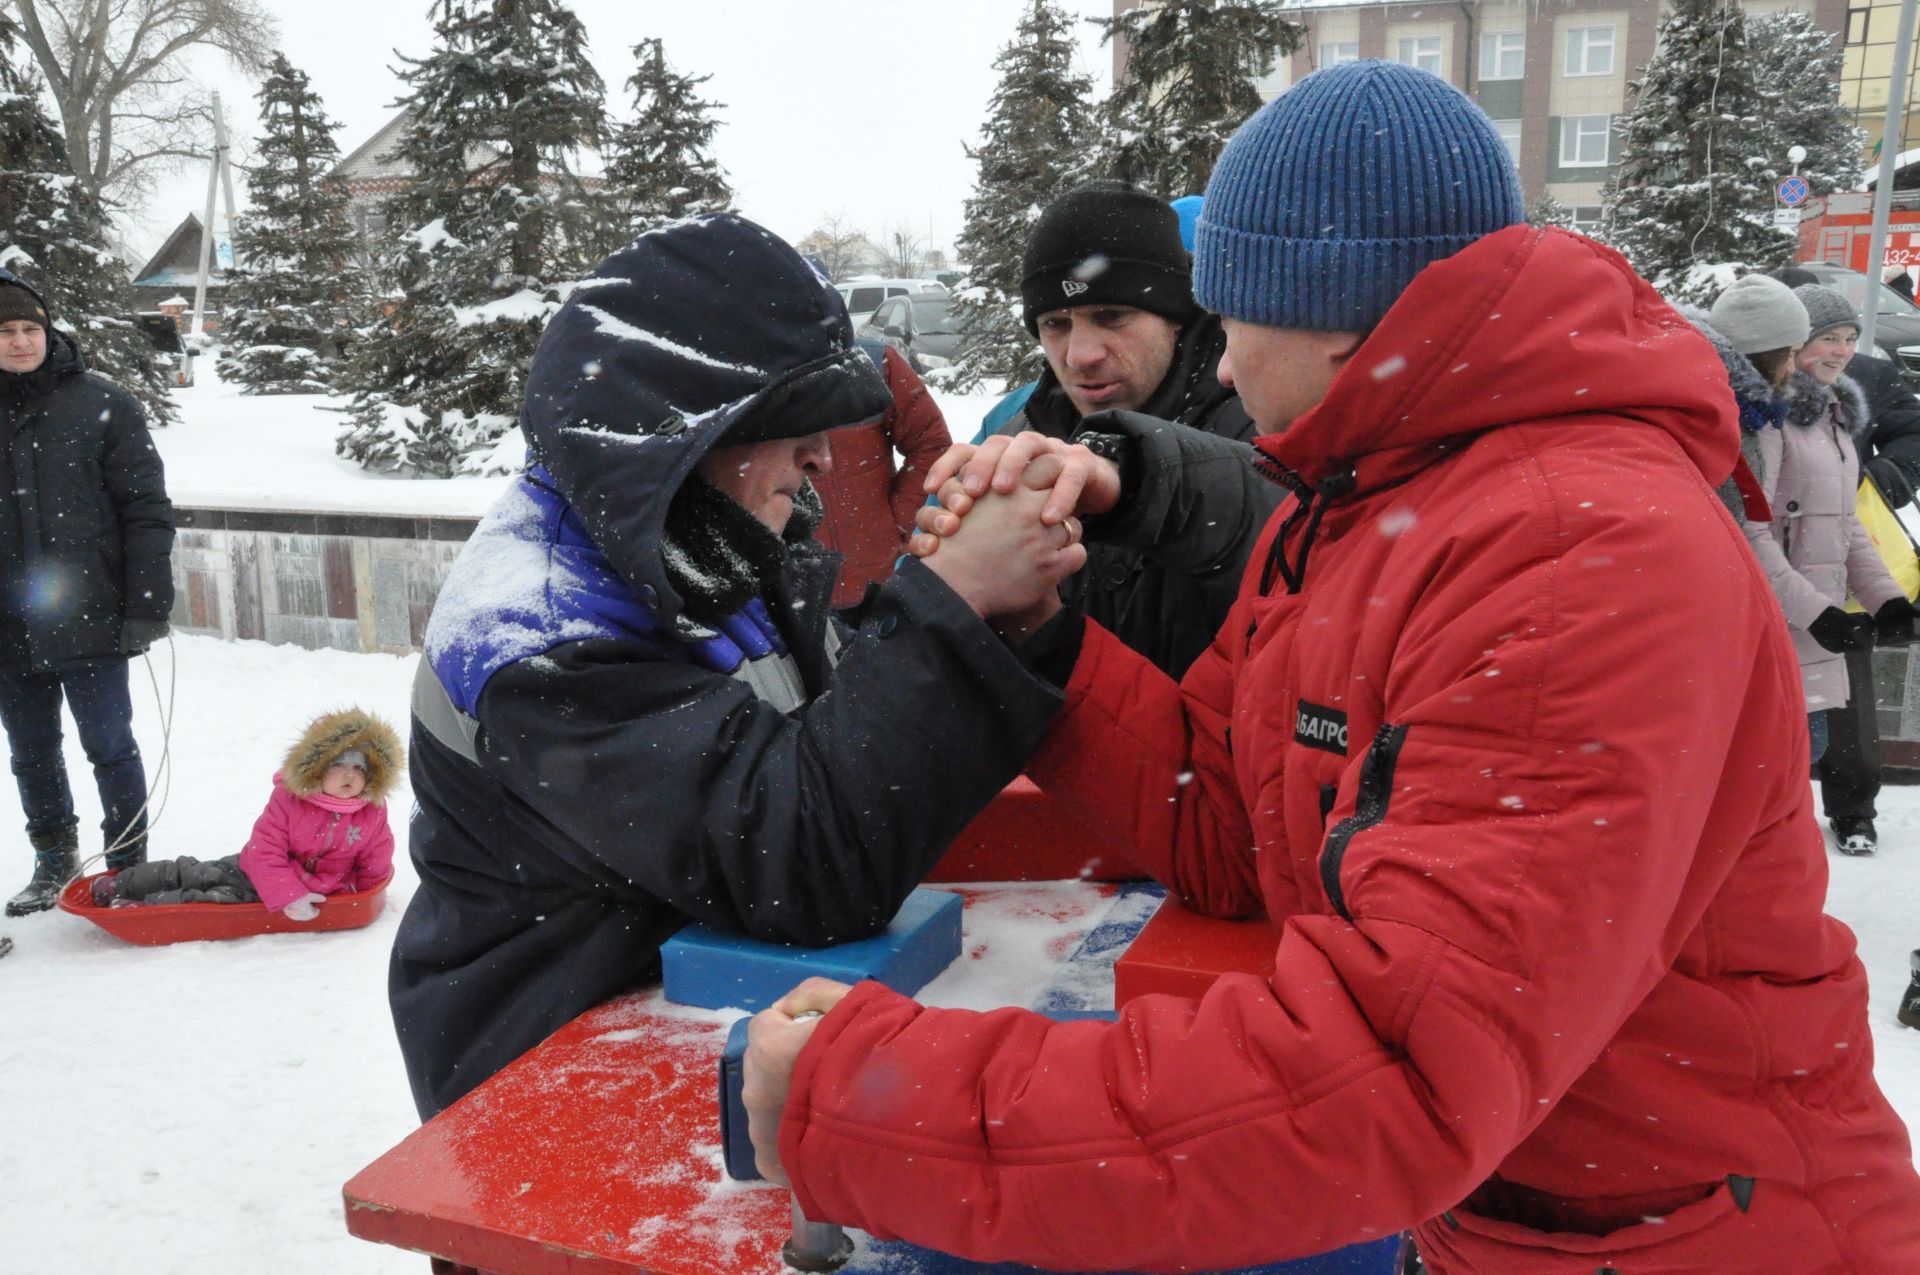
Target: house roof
x=375 y=160
x=177 y=263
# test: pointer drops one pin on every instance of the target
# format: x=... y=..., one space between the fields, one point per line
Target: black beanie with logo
x=1107 y=243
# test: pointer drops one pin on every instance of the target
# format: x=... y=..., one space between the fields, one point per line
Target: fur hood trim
x=327 y=736
x=1807 y=403
x=1761 y=405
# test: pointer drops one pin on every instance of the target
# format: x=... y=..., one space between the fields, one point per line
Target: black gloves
x=1892 y=480
x=1839 y=632
x=137 y=635
x=1893 y=622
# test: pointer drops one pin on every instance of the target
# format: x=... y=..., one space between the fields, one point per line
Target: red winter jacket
x=869 y=504
x=1520 y=769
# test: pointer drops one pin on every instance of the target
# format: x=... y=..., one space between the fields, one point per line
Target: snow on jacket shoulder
x=1518 y=768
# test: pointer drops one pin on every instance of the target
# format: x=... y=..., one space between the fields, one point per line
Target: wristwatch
x=1122 y=451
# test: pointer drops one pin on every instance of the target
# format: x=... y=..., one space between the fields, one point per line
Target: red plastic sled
x=164 y=923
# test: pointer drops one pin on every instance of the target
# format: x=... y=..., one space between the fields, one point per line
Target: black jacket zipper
x=1370 y=808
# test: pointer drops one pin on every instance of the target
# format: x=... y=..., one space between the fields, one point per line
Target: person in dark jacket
x=1850 y=770
x=622 y=722
x=1106 y=287
x=85 y=551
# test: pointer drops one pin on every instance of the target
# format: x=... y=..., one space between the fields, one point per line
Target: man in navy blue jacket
x=623 y=721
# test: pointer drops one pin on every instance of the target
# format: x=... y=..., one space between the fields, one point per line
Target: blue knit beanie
x=1333 y=196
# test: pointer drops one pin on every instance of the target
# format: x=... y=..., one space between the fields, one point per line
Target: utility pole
x=1892 y=137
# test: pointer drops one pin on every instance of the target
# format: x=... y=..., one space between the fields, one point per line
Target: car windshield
x=932 y=315
x=1853 y=286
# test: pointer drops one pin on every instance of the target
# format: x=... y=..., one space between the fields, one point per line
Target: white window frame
x=1414 y=53
x=1498 y=45
x=1334 y=52
x=1588 y=224
x=1589 y=51
x=1510 y=133
x=1580 y=129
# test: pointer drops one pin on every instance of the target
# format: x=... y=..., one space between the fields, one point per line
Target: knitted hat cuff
x=1144 y=285
x=1321 y=285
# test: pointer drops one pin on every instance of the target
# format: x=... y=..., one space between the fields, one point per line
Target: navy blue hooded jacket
x=590 y=775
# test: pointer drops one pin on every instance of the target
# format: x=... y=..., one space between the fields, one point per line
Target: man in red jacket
x=1504 y=735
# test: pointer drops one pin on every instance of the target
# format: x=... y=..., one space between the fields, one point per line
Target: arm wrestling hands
x=1010 y=551
x=1074 y=478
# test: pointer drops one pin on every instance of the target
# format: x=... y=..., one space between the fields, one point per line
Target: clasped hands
x=1006 y=530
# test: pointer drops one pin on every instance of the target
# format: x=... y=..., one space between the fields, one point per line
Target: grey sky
x=861 y=105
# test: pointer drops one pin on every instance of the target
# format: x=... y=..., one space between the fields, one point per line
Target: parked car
x=864 y=295
x=1896 y=326
x=922 y=327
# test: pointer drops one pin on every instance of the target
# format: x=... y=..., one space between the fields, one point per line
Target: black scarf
x=719 y=556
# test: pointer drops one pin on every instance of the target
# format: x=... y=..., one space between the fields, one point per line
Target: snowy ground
x=197 y=1108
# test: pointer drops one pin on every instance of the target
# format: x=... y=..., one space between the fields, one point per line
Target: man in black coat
x=85 y=567
x=636 y=707
x=1106 y=288
x=1850 y=769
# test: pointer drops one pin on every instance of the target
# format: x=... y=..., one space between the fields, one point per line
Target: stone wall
x=353 y=582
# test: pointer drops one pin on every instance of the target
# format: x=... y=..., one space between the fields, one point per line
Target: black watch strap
x=1121 y=450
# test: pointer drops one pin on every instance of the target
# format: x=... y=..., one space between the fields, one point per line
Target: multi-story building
x=1552 y=73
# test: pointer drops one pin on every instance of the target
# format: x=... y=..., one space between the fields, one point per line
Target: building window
x=1857 y=22
x=1589 y=51
x=1586 y=218
x=1583 y=140
x=1510 y=134
x=1334 y=52
x=1503 y=55
x=1422 y=52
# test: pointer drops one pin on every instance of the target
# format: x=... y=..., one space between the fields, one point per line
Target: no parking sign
x=1793 y=191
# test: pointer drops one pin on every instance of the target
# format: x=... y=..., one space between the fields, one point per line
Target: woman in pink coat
x=324 y=830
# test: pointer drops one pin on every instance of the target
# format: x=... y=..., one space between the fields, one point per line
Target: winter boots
x=56 y=860
x=1854 y=835
x=1910 y=1003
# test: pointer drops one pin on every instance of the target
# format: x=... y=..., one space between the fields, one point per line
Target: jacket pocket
x=1370 y=808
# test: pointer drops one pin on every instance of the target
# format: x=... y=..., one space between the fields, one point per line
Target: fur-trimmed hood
x=331 y=734
x=1807 y=403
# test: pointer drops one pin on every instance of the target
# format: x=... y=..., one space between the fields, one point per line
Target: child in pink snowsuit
x=324 y=830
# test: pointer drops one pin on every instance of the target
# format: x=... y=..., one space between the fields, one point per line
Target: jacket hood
x=705 y=331
x=326 y=737
x=1526 y=325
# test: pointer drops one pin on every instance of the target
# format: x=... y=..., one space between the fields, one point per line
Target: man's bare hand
x=1082 y=482
x=1002 y=559
x=775 y=1038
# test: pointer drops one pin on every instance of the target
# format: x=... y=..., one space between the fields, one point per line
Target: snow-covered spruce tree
x=1691 y=199
x=1548 y=211
x=660 y=165
x=1033 y=147
x=1799 y=63
x=500 y=108
x=53 y=232
x=295 y=249
x=1191 y=78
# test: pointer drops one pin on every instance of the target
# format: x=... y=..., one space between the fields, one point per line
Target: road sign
x=1786 y=219
x=1793 y=191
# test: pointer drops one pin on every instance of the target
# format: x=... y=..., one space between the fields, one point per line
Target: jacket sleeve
x=672 y=782
x=1503 y=917
x=268 y=858
x=1199 y=505
x=136 y=482
x=919 y=433
x=375 y=860
x=1895 y=416
x=1800 y=601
